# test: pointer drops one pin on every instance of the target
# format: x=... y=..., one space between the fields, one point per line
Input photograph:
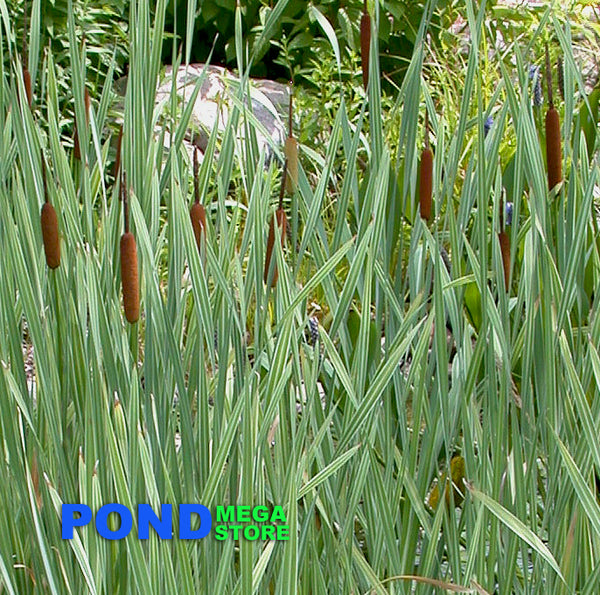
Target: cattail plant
x=553 y=149
x=504 y=240
x=129 y=265
x=365 y=43
x=76 y=147
x=280 y=220
x=426 y=176
x=27 y=83
x=291 y=152
x=35 y=481
x=49 y=227
x=197 y=212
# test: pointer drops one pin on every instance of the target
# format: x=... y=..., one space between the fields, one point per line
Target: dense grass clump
x=420 y=394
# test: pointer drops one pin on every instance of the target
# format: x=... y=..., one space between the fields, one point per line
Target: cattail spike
x=553 y=141
x=504 y=240
x=49 y=223
x=129 y=278
x=35 y=481
x=290 y=150
x=282 y=224
x=27 y=83
x=198 y=212
x=129 y=265
x=198 y=219
x=50 y=235
x=87 y=103
x=426 y=177
x=365 y=44
x=270 y=242
x=553 y=148
x=280 y=220
x=196 y=169
x=76 y=147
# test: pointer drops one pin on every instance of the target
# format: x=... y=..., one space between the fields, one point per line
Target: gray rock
x=215 y=100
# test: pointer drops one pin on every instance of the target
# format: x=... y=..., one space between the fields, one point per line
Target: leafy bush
x=297 y=38
x=103 y=26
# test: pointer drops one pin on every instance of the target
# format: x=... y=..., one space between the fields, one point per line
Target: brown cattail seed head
x=76 y=147
x=27 y=83
x=426 y=183
x=365 y=44
x=504 y=239
x=290 y=150
x=198 y=218
x=553 y=149
x=317 y=520
x=86 y=101
x=129 y=277
x=197 y=212
x=35 y=480
x=281 y=221
x=50 y=236
x=291 y=155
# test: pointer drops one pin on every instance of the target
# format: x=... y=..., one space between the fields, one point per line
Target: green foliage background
x=297 y=38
